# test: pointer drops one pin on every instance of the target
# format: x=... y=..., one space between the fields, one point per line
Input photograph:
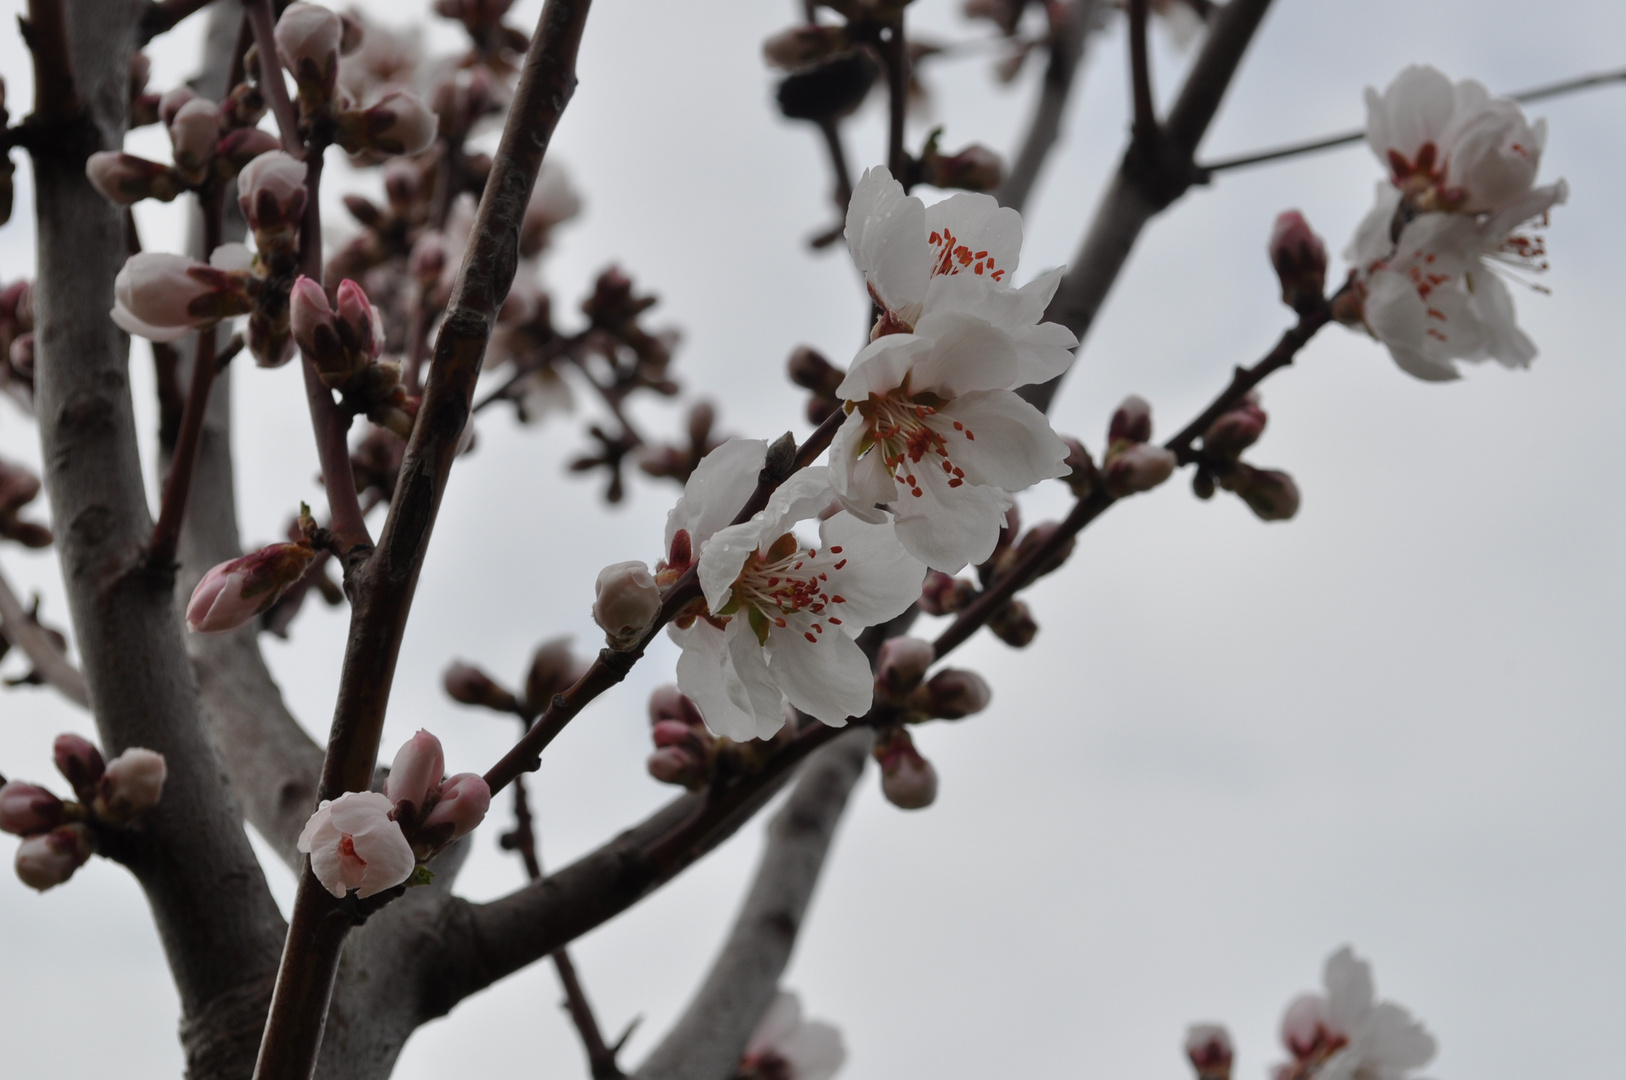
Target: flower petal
x=828 y=678
x=859 y=482
x=945 y=527
x=389 y=859
x=985 y=234
x=717 y=489
x=1015 y=447
x=881 y=365
x=723 y=557
x=967 y=354
x=886 y=233
x=880 y=579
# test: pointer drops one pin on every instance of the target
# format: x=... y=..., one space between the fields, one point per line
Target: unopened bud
x=418 y=769
x=678 y=763
x=49 y=859
x=553 y=669
x=468 y=685
x=976 y=168
x=1137 y=468
x=80 y=763
x=1081 y=471
x=164 y=297
x=902 y=664
x=810 y=370
x=271 y=194
x=1305 y=1025
x=1237 y=429
x=1131 y=422
x=398 y=123
x=907 y=780
x=1300 y=259
x=233 y=593
x=308 y=37
x=831 y=88
x=942 y=594
x=133 y=782
x=1209 y=1048
x=953 y=694
x=1036 y=538
x=670 y=703
x=803 y=45
x=1269 y=493
x=1014 y=625
x=26 y=809
x=464 y=800
x=124 y=178
x=193 y=133
x=627 y=601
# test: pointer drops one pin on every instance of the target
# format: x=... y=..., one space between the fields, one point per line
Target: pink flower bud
x=907 y=780
x=193 y=133
x=360 y=322
x=354 y=844
x=51 y=858
x=1270 y=493
x=397 y=123
x=1013 y=624
x=554 y=668
x=1209 y=1048
x=976 y=168
x=1081 y=471
x=233 y=593
x=1300 y=259
x=669 y=703
x=678 y=764
x=164 y=297
x=133 y=782
x=1132 y=422
x=468 y=685
x=311 y=319
x=801 y=46
x=418 y=768
x=271 y=193
x=26 y=809
x=124 y=178
x=1140 y=467
x=464 y=800
x=671 y=732
x=1237 y=429
x=941 y=594
x=902 y=665
x=1305 y=1026
x=308 y=38
x=627 y=602
x=80 y=763
x=172 y=101
x=955 y=693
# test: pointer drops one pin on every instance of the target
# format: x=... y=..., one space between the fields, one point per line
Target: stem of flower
x=260 y=20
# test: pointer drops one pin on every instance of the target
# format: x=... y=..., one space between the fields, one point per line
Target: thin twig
x=166 y=534
x=26 y=634
x=895 y=54
x=260 y=20
x=612 y=666
x=1144 y=127
x=1044 y=130
x=384 y=585
x=1349 y=138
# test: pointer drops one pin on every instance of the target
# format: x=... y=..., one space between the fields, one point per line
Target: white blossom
x=354 y=844
x=786 y=1047
x=781 y=615
x=1345 y=1034
x=934 y=433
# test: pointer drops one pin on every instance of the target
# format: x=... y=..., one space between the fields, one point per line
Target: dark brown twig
x=384 y=585
x=895 y=55
x=1044 y=130
x=55 y=97
x=264 y=26
x=1144 y=127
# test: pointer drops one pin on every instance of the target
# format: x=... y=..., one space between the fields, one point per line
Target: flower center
x=898 y=430
x=949 y=256
x=785 y=584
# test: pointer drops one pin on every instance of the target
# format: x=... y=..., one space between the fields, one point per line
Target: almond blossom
x=1433 y=295
x=786 y=1047
x=781 y=614
x=934 y=434
x=354 y=844
x=164 y=297
x=1345 y=1034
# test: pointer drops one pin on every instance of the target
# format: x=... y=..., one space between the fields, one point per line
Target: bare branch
x=56 y=98
x=26 y=634
x=1143 y=129
x=1044 y=130
x=1150 y=178
x=708 y=1039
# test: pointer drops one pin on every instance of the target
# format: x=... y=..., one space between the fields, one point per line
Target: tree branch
x=1150 y=178
x=1067 y=43
x=56 y=99
x=895 y=54
x=707 y=1041
x=26 y=634
x=1143 y=128
x=214 y=914
x=385 y=584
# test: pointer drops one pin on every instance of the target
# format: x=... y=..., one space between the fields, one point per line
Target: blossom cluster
x=60 y=835
x=1456 y=214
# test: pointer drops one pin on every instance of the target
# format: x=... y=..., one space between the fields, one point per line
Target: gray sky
x=1233 y=746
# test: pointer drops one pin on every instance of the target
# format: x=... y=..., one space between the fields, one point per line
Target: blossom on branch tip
x=901 y=665
x=1208 y=1046
x=124 y=178
x=163 y=297
x=355 y=844
x=626 y=600
x=953 y=694
x=780 y=614
x=234 y=592
x=308 y=38
x=786 y=1047
x=1300 y=259
x=271 y=193
x=1345 y=1034
x=132 y=783
x=397 y=123
x=48 y=859
x=80 y=763
x=193 y=134
x=468 y=685
x=908 y=780
x=934 y=434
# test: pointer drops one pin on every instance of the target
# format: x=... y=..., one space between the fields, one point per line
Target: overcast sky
x=1394 y=722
